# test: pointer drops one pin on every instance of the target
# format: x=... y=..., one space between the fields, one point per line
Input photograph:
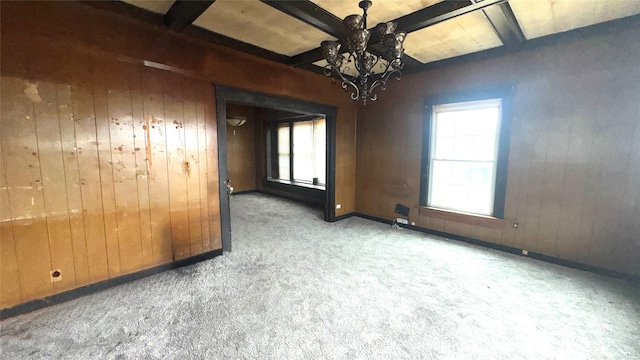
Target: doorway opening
x=290 y=142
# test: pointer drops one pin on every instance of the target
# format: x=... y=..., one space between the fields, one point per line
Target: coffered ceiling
x=291 y=31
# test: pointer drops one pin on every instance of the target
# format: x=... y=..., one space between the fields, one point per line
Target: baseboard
x=102 y=285
x=512 y=250
x=344 y=216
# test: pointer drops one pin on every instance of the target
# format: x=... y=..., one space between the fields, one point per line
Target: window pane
x=303 y=151
x=463 y=148
x=441 y=171
x=484 y=148
x=283 y=152
x=444 y=147
x=440 y=196
x=461 y=173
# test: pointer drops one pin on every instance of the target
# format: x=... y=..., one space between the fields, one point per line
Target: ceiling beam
x=429 y=16
x=306 y=57
x=504 y=23
x=311 y=14
x=183 y=13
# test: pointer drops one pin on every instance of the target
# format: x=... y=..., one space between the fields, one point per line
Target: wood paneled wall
x=108 y=141
x=574 y=167
x=106 y=169
x=241 y=149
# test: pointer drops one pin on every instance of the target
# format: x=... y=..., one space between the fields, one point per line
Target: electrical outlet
x=525 y=252
x=515 y=225
x=413 y=223
x=338 y=206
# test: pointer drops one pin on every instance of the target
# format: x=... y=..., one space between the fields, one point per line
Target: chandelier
x=374 y=65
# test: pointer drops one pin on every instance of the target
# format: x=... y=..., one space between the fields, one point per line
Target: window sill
x=297 y=183
x=460 y=217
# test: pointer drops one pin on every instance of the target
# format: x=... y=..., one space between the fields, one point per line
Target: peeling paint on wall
x=31 y=91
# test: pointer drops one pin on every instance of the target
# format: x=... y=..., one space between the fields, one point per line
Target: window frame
x=500 y=187
x=273 y=160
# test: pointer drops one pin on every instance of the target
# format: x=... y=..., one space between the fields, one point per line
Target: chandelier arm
x=382 y=82
x=345 y=85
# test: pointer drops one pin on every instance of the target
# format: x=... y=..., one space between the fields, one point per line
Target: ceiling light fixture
x=385 y=52
x=236 y=120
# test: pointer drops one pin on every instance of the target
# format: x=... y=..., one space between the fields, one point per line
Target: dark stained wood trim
x=290 y=150
x=426 y=151
x=183 y=13
x=504 y=23
x=343 y=217
x=313 y=68
x=311 y=14
x=295 y=118
x=102 y=285
x=306 y=57
x=225 y=211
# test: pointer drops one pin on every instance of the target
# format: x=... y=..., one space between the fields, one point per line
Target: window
x=301 y=150
x=464 y=156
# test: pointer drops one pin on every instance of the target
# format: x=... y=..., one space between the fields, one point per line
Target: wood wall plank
x=203 y=161
x=176 y=165
x=9 y=276
x=120 y=124
x=106 y=163
x=72 y=183
x=156 y=151
x=89 y=167
x=24 y=185
x=191 y=165
x=54 y=187
x=142 y=170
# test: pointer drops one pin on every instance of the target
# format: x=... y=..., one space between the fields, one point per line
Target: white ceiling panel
x=380 y=11
x=157 y=6
x=545 y=17
x=256 y=23
x=459 y=36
